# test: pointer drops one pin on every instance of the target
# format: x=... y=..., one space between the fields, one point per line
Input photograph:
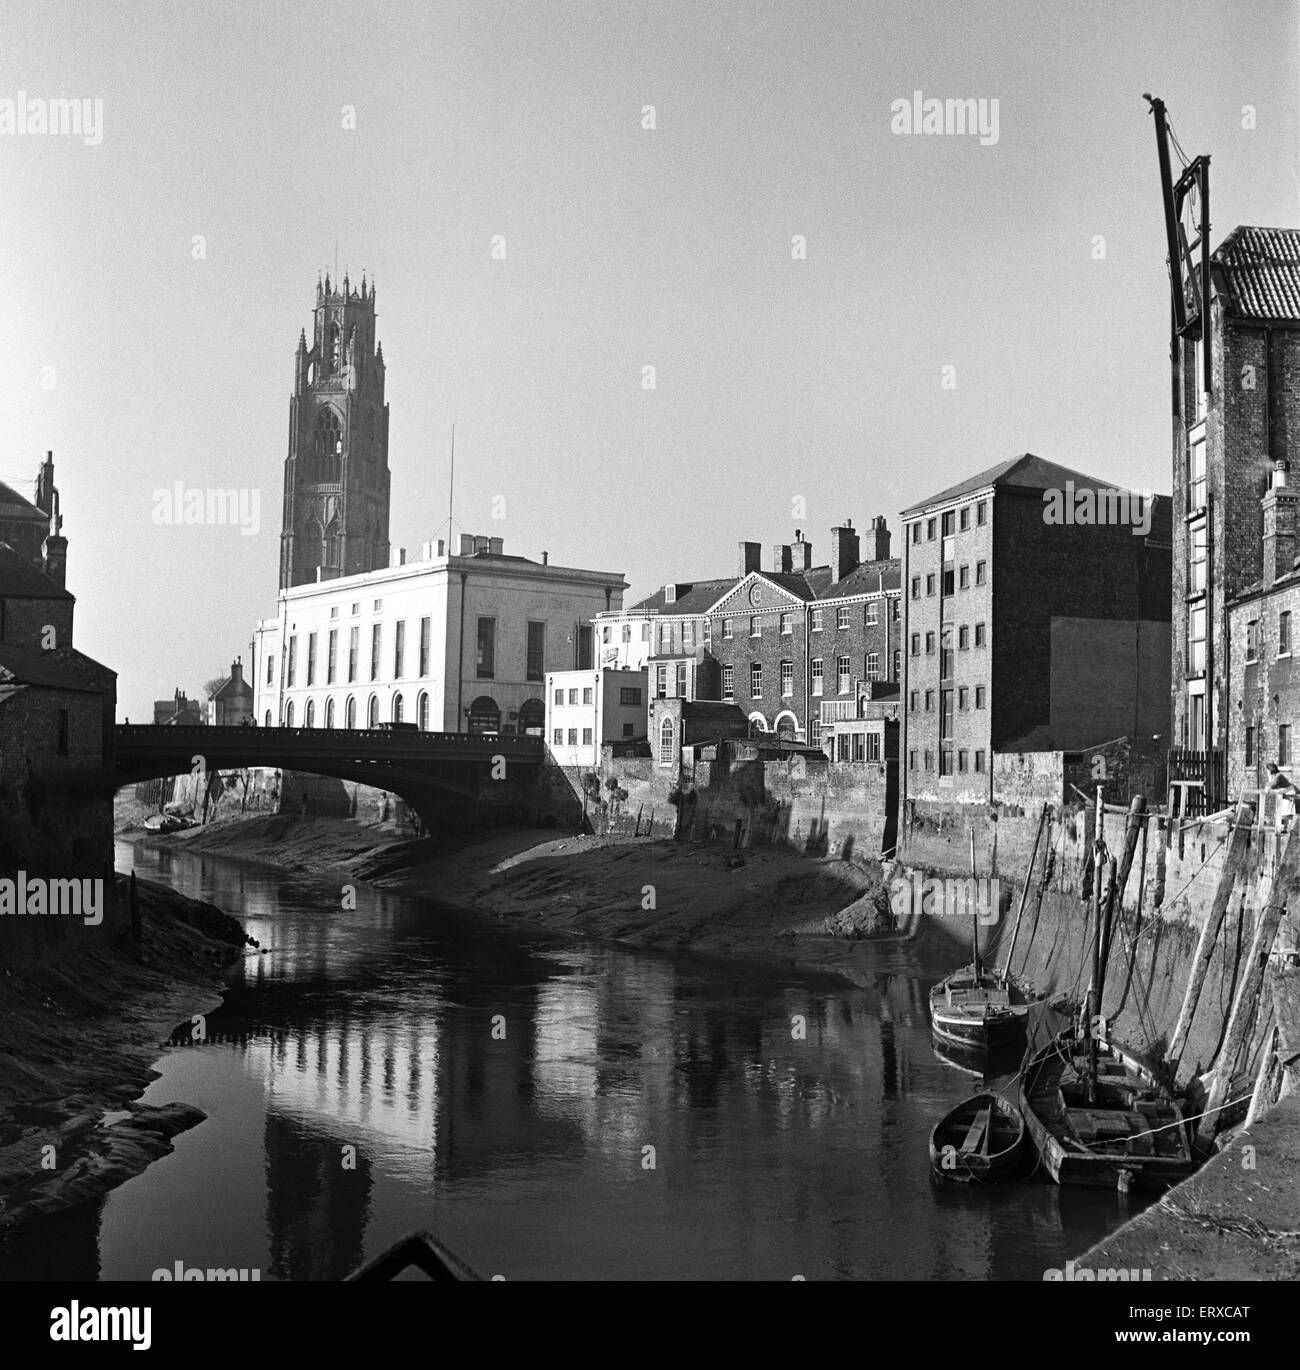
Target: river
x=549 y=1109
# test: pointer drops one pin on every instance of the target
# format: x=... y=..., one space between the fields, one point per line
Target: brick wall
x=25 y=621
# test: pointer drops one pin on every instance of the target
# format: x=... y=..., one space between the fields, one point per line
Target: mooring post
x=1242 y=822
x=1286 y=890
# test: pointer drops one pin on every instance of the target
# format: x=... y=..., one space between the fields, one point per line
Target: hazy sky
x=141 y=365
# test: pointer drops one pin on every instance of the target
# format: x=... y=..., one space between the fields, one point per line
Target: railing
x=382 y=738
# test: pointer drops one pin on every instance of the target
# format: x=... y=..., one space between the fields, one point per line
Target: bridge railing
x=373 y=738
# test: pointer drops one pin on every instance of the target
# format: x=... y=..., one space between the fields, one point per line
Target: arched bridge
x=409 y=763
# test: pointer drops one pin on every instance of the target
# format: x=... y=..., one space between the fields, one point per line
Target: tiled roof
x=1257 y=272
x=1027 y=471
x=692 y=598
x=19 y=579
x=64 y=668
x=868 y=578
x=16 y=506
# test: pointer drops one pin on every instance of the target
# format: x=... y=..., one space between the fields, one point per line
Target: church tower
x=336 y=474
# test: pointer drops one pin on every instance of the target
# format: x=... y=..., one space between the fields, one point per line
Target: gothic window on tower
x=335 y=348
x=333 y=544
x=329 y=446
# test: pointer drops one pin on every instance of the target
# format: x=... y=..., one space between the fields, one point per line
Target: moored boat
x=980 y=1139
x=980 y=1007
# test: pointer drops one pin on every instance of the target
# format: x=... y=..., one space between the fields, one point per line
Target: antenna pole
x=451 y=487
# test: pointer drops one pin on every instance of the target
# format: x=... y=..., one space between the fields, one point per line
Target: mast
x=974 y=918
x=1094 y=986
x=1024 y=893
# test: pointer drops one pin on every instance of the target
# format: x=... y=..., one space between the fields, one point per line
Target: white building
x=586 y=708
x=452 y=643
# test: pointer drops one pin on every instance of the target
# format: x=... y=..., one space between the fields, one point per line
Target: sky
x=154 y=279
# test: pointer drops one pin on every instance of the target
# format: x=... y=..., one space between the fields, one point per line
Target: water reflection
x=550 y=1110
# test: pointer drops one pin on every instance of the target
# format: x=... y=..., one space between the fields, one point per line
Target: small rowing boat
x=979 y=1140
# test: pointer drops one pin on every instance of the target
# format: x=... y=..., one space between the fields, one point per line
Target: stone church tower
x=336 y=474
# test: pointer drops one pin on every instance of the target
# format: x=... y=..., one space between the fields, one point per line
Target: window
x=354 y=651
x=334 y=612
x=1196 y=638
x=756 y=681
x=929 y=584
x=376 y=637
x=963 y=637
x=963 y=756
x=270 y=669
x=946 y=588
x=787 y=623
x=916 y=587
x=645 y=632
x=629 y=730
x=374 y=711
x=1196 y=476
x=841 y=618
x=573 y=696
x=535 y=662
x=681 y=680
x=728 y=682
x=816 y=620
x=979 y=635
x=629 y=694
x=661 y=681
x=1196 y=553
x=818 y=675
x=963 y=697
x=328 y=442
x=557 y=737
x=981 y=572
x=332 y=657
x=945 y=714
x=311 y=658
x=929 y=759
x=979 y=761
x=873 y=747
x=914 y=700
x=268 y=718
x=929 y=644
x=965 y=518
x=627 y=632
x=708 y=632
x=293 y=661
x=356 y=609
x=916 y=644
x=979 y=696
x=982 y=512
x=485 y=662
x=1284 y=633
x=859 y=746
x=1250 y=746
x=399 y=651
x=586 y=737
x=898 y=665
x=726 y=630
x=604 y=633
x=963 y=577
x=379 y=606
x=844 y=670
x=815 y=732
x=873 y=666
x=916 y=537
x=665 y=637
x=422 y=709
x=755 y=626
x=329 y=712
x=945 y=653
x=587 y=694
x=399 y=708
x=945 y=760
x=350 y=713
x=573 y=737
x=62 y=743
x=897 y=611
x=559 y=697
x=911 y=760
x=688 y=637
x=666 y=742
x=787 y=679
x=424 y=646
x=842 y=747
x=929 y=701
x=1283 y=744
x=949 y=523
x=288 y=714
x=929 y=537
x=1252 y=640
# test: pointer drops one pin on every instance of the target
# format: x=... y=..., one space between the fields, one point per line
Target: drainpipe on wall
x=460 y=655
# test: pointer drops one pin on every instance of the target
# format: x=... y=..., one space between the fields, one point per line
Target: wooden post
x=1261 y=1078
x=1242 y=821
x=1115 y=896
x=1286 y=890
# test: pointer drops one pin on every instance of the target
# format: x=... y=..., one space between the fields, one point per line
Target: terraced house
x=783 y=644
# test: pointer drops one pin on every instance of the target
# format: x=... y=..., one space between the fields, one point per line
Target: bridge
x=419 y=766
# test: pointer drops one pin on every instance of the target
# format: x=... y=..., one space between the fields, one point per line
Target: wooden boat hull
x=1134 y=1134
x=980 y=1033
x=984 y=1012
x=978 y=1141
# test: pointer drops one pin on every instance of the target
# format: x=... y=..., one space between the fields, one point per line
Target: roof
x=16 y=506
x=1258 y=272
x=1023 y=472
x=64 y=668
x=692 y=598
x=869 y=577
x=19 y=579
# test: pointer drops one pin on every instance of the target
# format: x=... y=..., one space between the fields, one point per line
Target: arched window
x=350 y=713
x=309 y=718
x=288 y=714
x=329 y=713
x=327 y=442
x=484 y=715
x=397 y=708
x=422 y=712
x=373 y=719
x=757 y=724
x=311 y=541
x=786 y=725
x=336 y=347
x=532 y=717
x=268 y=718
x=666 y=742
x=334 y=544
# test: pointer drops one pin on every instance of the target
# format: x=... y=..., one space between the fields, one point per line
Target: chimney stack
x=877 y=545
x=781 y=558
x=751 y=554
x=844 y=550
x=800 y=553
x=1280 y=506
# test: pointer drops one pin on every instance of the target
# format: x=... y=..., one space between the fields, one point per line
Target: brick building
x=231 y=704
x=1226 y=444
x=1026 y=630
